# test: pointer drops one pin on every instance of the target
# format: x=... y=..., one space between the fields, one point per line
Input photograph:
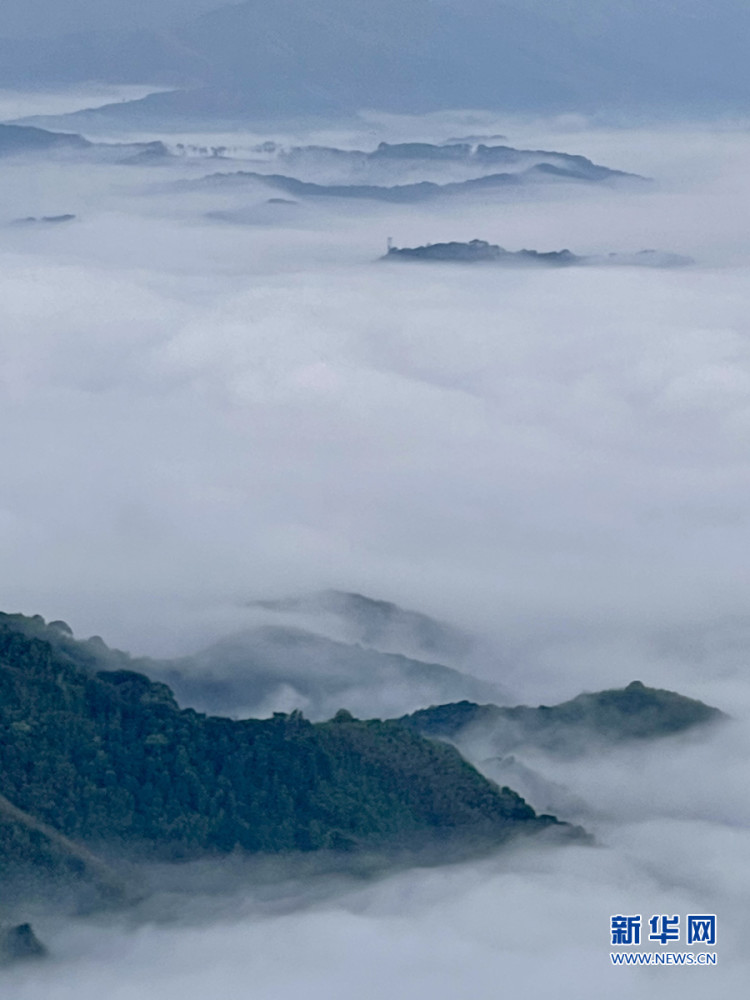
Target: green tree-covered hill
x=108 y=759
x=588 y=721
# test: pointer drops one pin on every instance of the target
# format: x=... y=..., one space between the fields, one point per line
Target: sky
x=205 y=412
x=30 y=18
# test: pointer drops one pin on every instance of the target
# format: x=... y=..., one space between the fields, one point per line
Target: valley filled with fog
x=218 y=399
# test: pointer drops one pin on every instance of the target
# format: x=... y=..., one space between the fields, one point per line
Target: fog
x=206 y=411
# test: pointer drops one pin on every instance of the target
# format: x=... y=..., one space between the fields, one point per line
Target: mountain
x=481 y=252
x=328 y=650
x=49 y=220
x=409 y=172
x=399 y=193
x=20 y=944
x=26 y=140
x=377 y=624
x=589 y=721
x=334 y=57
x=273 y=667
x=345 y=54
x=106 y=760
x=317 y=653
x=29 y=844
x=20 y=139
x=404 y=161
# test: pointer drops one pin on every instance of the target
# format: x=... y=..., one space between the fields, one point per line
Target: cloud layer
x=199 y=414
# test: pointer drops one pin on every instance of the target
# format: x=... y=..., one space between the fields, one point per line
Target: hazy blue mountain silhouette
x=331 y=57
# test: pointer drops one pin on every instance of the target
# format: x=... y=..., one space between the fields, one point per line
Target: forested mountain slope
x=109 y=759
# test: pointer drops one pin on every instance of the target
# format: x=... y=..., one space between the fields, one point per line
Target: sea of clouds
x=199 y=413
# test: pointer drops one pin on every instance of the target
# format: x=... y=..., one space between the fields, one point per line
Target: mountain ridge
x=107 y=759
x=590 y=720
x=339 y=56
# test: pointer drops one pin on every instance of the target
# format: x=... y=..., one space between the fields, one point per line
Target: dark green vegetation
x=636 y=712
x=107 y=759
x=480 y=251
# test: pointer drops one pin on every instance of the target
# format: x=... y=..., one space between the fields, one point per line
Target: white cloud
x=199 y=414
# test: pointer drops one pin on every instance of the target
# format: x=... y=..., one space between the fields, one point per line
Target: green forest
x=108 y=759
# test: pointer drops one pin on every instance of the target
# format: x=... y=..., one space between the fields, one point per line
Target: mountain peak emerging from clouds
x=587 y=722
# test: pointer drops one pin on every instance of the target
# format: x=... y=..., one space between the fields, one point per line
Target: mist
x=207 y=413
x=212 y=400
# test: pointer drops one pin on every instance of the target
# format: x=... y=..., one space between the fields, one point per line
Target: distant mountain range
x=334 y=57
x=409 y=161
x=402 y=193
x=407 y=173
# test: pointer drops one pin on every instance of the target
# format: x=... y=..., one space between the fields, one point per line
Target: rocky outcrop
x=20 y=944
